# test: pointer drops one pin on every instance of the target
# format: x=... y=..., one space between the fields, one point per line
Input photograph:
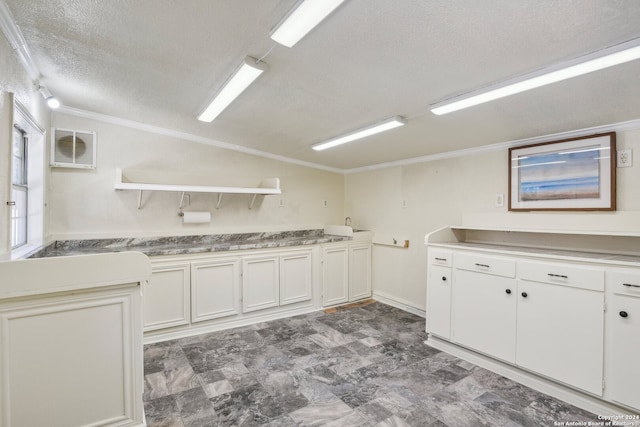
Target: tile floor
x=362 y=366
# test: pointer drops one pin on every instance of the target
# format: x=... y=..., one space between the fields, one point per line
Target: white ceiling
x=159 y=62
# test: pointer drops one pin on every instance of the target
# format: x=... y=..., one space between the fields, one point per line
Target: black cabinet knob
x=524 y=294
x=624 y=314
x=444 y=278
x=508 y=291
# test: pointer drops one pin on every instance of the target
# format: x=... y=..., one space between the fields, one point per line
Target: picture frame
x=576 y=174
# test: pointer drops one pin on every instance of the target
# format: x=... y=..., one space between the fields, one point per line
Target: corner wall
x=461 y=191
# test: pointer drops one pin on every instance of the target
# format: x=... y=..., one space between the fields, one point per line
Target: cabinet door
x=165 y=300
x=335 y=277
x=295 y=277
x=624 y=375
x=439 y=301
x=215 y=289
x=484 y=313
x=561 y=333
x=72 y=360
x=260 y=283
x=359 y=272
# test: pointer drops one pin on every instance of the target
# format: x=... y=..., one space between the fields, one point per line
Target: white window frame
x=36 y=156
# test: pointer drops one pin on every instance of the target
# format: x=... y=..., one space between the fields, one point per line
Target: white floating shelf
x=266 y=187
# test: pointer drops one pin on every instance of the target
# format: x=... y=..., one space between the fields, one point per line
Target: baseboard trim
x=400 y=303
x=541 y=384
x=221 y=324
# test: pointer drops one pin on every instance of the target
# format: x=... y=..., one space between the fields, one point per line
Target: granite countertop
x=177 y=245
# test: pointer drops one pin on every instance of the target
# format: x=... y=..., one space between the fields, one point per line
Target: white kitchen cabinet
x=623 y=317
x=295 y=277
x=483 y=310
x=215 y=288
x=166 y=301
x=574 y=313
x=624 y=376
x=561 y=333
x=260 y=282
x=335 y=274
x=71 y=341
x=359 y=271
x=439 y=301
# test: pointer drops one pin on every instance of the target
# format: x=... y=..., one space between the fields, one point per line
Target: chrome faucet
x=347 y=221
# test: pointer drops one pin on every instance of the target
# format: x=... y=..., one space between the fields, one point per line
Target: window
x=19 y=189
x=25 y=224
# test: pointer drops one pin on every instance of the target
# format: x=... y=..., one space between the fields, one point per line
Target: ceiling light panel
x=388 y=124
x=302 y=19
x=250 y=70
x=599 y=60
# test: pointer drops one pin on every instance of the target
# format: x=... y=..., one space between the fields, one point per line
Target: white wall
x=83 y=203
x=461 y=191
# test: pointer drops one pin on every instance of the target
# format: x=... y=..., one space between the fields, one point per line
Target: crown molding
x=190 y=137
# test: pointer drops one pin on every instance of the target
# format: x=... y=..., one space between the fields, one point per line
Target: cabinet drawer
x=505 y=267
x=624 y=283
x=440 y=257
x=562 y=274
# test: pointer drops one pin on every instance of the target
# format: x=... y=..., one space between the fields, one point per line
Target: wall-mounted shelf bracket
x=219 y=200
x=140 y=199
x=252 y=201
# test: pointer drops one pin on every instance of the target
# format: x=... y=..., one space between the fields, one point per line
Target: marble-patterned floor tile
x=155 y=386
x=353 y=419
x=370 y=341
x=393 y=421
x=180 y=379
x=317 y=414
x=366 y=365
x=217 y=388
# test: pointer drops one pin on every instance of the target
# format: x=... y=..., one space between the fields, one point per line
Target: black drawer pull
x=559 y=276
x=630 y=285
x=483 y=265
x=524 y=295
x=624 y=314
x=444 y=278
x=440 y=259
x=508 y=291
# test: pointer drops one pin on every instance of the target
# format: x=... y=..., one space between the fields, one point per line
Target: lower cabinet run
x=346 y=273
x=568 y=317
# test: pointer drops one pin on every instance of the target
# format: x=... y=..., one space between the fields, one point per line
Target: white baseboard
x=541 y=384
x=221 y=324
x=396 y=302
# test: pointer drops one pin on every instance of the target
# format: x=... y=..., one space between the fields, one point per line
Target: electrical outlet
x=499 y=200
x=281 y=203
x=404 y=203
x=625 y=158
x=325 y=204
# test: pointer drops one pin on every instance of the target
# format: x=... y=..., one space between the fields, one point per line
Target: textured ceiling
x=160 y=61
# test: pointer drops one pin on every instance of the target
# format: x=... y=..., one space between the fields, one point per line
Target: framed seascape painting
x=575 y=174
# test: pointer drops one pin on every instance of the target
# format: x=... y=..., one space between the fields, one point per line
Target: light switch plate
x=625 y=158
x=499 y=200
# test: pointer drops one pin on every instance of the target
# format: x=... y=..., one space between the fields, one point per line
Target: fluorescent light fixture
x=51 y=100
x=250 y=69
x=302 y=19
x=614 y=55
x=391 y=123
